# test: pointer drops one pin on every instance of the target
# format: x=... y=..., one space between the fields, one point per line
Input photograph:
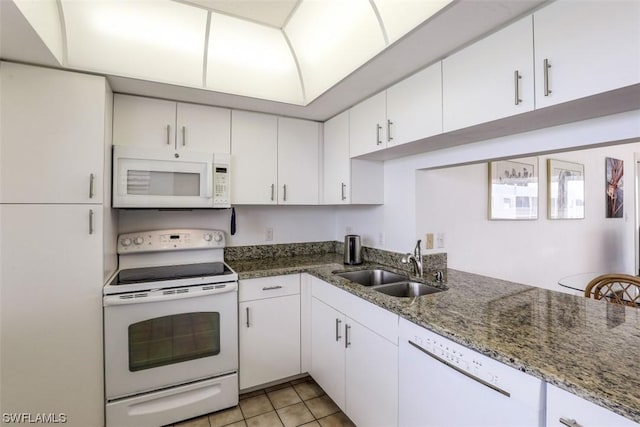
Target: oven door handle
x=168 y=294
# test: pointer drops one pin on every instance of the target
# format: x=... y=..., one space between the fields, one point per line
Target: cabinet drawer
x=268 y=287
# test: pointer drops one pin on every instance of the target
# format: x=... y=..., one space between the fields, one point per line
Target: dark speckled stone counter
x=590 y=348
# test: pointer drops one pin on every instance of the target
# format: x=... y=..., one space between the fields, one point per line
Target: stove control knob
x=218 y=237
x=207 y=237
x=138 y=240
x=125 y=242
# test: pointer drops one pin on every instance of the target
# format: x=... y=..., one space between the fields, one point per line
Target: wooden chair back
x=616 y=288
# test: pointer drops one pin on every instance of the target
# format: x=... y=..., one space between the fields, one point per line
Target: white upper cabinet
x=52 y=136
x=254 y=158
x=490 y=79
x=157 y=123
x=368 y=125
x=298 y=161
x=585 y=48
x=203 y=128
x=345 y=180
x=414 y=107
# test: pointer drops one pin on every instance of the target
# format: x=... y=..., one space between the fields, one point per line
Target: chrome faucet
x=415 y=259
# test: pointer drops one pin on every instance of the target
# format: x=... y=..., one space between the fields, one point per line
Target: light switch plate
x=428 y=241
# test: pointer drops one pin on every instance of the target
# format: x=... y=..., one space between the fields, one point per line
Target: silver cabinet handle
x=389 y=137
x=92 y=178
x=378 y=128
x=91 y=221
x=463 y=372
x=247 y=316
x=347 y=340
x=273 y=190
x=569 y=422
x=284 y=193
x=184 y=136
x=516 y=83
x=546 y=65
x=168 y=134
x=338 y=337
x=271 y=288
x=344 y=194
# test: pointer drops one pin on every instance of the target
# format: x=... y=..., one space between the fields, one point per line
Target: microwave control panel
x=221 y=181
x=170 y=240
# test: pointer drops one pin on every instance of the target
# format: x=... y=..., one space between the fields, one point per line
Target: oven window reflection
x=173 y=339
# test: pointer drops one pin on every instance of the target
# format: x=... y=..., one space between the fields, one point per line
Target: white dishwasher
x=445 y=384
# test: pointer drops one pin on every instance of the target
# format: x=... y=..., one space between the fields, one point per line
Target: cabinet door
x=254 y=158
x=51 y=311
x=592 y=47
x=564 y=408
x=144 y=122
x=202 y=128
x=269 y=340
x=368 y=125
x=372 y=377
x=480 y=82
x=336 y=162
x=298 y=161
x=328 y=350
x=52 y=135
x=414 y=107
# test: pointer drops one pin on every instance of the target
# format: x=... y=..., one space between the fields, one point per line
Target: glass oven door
x=169 y=337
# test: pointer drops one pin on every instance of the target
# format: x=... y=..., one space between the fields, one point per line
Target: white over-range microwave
x=152 y=178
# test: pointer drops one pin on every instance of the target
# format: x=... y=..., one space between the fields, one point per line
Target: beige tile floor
x=297 y=403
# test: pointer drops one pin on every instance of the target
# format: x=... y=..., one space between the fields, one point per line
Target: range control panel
x=170 y=240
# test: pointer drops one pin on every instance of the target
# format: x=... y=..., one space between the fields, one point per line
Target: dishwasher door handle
x=463 y=372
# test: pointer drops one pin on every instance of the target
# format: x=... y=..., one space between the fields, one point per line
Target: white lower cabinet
x=269 y=329
x=567 y=409
x=356 y=365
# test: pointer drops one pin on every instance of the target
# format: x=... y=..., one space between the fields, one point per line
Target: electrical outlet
x=268 y=234
x=440 y=240
x=428 y=241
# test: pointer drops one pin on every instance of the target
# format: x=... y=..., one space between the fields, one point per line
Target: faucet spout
x=415 y=259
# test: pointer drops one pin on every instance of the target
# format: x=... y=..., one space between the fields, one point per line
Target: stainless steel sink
x=373 y=277
x=407 y=289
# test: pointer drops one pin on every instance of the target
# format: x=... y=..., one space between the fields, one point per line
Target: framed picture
x=614 y=187
x=565 y=190
x=513 y=189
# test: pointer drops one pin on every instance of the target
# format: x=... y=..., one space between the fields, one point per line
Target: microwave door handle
x=208 y=193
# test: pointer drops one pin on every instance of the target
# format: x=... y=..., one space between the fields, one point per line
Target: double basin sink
x=389 y=283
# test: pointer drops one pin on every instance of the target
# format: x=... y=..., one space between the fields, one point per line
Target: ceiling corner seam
x=205 y=54
x=63 y=34
x=380 y=22
x=295 y=60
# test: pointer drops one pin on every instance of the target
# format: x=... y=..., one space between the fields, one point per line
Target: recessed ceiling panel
x=332 y=38
x=269 y=12
x=252 y=60
x=401 y=16
x=152 y=40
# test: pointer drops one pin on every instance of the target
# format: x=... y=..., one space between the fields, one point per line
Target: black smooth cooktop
x=171 y=272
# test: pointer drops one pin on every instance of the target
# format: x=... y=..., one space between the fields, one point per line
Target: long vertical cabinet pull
x=90 y=221
x=569 y=422
x=389 y=137
x=378 y=128
x=184 y=136
x=284 y=193
x=347 y=340
x=516 y=83
x=92 y=179
x=168 y=134
x=273 y=190
x=344 y=193
x=247 y=317
x=338 y=337
x=546 y=65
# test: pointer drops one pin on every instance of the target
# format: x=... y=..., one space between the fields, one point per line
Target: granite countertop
x=590 y=348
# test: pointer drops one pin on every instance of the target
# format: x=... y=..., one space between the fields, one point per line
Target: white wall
x=291 y=224
x=537 y=252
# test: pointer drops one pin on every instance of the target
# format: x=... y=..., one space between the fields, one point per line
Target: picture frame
x=565 y=190
x=513 y=189
x=614 y=187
